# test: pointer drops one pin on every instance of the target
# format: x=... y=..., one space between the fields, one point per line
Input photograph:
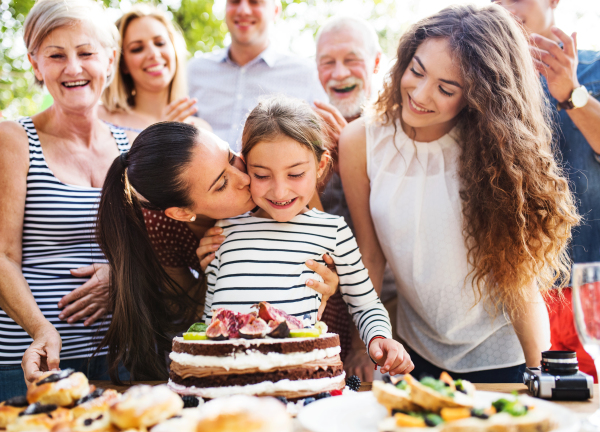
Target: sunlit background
x=201 y=22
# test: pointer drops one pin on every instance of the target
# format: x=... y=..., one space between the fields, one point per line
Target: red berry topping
x=336 y=392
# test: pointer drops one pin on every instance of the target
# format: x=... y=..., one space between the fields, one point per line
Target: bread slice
x=433 y=401
x=393 y=398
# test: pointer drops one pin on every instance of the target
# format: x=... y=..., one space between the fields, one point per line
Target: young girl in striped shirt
x=263 y=255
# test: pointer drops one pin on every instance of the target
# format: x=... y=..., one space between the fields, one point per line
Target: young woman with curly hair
x=452 y=180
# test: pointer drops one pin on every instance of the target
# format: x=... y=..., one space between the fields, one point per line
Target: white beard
x=350 y=107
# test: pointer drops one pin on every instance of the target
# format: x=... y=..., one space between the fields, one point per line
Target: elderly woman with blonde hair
x=52 y=169
x=150 y=84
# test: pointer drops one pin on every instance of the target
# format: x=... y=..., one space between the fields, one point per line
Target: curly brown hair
x=517 y=208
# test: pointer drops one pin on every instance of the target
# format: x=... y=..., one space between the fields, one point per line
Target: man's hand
x=330 y=283
x=391 y=356
x=559 y=66
x=336 y=124
x=42 y=355
x=208 y=245
x=90 y=299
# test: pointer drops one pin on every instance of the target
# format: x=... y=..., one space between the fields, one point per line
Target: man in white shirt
x=229 y=82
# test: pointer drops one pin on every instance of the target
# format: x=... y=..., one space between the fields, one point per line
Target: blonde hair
x=517 y=208
x=48 y=15
x=280 y=115
x=119 y=95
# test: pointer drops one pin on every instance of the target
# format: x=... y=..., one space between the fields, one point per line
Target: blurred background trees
x=204 y=29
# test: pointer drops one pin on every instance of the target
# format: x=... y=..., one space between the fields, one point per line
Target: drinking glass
x=586 y=310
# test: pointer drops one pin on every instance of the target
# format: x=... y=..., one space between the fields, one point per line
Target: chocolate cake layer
x=281 y=346
x=292 y=373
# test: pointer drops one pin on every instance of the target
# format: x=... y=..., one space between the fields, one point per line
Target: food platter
x=361 y=412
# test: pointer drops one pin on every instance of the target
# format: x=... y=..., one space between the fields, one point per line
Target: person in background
x=451 y=180
x=348 y=56
x=571 y=79
x=150 y=84
x=51 y=170
x=229 y=82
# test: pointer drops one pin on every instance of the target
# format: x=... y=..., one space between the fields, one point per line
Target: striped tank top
x=58 y=235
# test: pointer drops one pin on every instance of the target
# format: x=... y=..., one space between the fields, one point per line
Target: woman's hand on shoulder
x=208 y=246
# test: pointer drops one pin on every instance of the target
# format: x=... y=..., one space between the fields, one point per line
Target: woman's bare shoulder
x=353 y=137
x=13 y=137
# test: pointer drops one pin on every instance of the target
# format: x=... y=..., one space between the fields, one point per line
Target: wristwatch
x=579 y=97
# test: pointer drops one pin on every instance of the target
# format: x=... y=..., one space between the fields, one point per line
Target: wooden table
x=584 y=408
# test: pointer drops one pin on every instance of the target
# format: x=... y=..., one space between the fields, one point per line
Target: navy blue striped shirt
x=263 y=260
x=58 y=235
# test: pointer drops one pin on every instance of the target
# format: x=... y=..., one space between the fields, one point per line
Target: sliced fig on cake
x=217 y=330
x=278 y=330
x=230 y=319
x=255 y=328
x=270 y=313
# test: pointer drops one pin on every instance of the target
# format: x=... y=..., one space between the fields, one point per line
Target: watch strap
x=566 y=105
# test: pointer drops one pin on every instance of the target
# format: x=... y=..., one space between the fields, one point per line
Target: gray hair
x=340 y=22
x=48 y=15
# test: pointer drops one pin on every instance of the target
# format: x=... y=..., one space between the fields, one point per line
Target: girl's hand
x=180 y=109
x=90 y=299
x=391 y=356
x=330 y=278
x=208 y=245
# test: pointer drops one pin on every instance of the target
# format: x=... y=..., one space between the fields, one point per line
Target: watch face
x=579 y=97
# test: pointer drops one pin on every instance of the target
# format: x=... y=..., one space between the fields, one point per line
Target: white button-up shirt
x=227 y=92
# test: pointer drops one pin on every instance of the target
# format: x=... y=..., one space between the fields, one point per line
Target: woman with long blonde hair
x=452 y=181
x=150 y=84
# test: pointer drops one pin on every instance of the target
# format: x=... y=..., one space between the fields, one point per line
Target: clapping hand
x=391 y=356
x=180 y=109
x=559 y=66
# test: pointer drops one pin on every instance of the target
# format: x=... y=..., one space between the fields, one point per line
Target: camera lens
x=560 y=362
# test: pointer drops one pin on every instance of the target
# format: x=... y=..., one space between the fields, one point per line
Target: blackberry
x=323 y=395
x=353 y=383
x=386 y=379
x=309 y=400
x=190 y=401
x=282 y=399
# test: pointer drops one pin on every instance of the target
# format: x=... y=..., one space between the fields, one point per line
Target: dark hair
x=280 y=115
x=146 y=303
x=517 y=209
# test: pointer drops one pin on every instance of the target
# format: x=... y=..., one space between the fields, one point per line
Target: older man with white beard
x=348 y=55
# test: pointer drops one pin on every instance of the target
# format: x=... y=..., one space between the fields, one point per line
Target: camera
x=559 y=378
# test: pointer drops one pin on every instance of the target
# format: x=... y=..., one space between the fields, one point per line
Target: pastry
x=38 y=417
x=244 y=413
x=10 y=409
x=145 y=406
x=59 y=388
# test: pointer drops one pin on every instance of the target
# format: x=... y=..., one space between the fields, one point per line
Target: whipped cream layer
x=287 y=388
x=254 y=359
x=250 y=342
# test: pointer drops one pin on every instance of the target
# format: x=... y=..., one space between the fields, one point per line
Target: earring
x=193 y=218
x=133 y=92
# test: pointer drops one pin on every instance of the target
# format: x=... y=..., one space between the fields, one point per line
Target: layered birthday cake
x=266 y=352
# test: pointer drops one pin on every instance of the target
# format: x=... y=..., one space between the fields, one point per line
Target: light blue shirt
x=227 y=92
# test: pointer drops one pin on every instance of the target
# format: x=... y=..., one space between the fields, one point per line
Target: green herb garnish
x=433 y=420
x=402 y=385
x=514 y=407
x=438 y=386
x=197 y=328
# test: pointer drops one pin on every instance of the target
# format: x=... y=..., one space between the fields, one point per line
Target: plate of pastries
x=65 y=401
x=405 y=404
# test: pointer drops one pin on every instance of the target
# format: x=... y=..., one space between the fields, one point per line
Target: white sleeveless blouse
x=416 y=210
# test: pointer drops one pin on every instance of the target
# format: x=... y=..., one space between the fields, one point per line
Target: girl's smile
x=283 y=177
